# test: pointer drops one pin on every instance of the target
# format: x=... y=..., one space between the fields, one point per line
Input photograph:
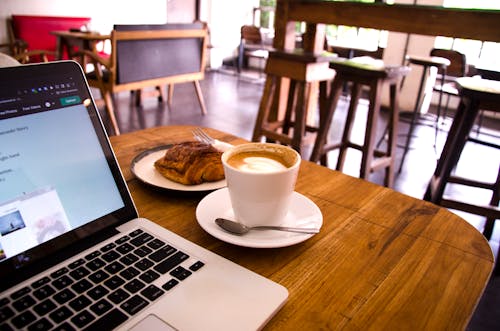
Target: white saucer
x=142 y=167
x=303 y=213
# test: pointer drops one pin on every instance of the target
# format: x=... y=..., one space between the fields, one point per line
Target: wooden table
x=68 y=40
x=383 y=260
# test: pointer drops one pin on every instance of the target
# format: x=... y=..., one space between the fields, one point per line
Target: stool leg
x=265 y=106
x=457 y=137
x=299 y=127
x=371 y=129
x=355 y=91
x=291 y=104
x=325 y=120
x=495 y=198
x=392 y=130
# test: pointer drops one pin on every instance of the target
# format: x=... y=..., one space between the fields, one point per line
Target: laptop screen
x=59 y=181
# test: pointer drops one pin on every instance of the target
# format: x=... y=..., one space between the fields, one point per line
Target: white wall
x=103 y=13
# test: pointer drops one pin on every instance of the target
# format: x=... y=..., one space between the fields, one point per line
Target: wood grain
x=383 y=260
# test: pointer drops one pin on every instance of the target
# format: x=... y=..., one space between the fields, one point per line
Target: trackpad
x=151 y=322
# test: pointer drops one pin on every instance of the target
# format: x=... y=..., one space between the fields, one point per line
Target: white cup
x=260 y=188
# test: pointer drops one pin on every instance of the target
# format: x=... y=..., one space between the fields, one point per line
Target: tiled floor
x=232 y=102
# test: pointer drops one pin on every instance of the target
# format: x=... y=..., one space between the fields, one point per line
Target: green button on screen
x=70 y=100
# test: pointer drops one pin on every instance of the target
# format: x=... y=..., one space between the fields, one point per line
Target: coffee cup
x=260 y=179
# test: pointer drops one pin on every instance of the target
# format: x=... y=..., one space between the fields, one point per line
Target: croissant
x=191 y=163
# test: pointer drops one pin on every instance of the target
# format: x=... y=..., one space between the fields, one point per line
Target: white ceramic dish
x=303 y=212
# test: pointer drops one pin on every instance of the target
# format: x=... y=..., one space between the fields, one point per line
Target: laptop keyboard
x=101 y=290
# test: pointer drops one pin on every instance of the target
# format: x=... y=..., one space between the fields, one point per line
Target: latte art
x=260 y=164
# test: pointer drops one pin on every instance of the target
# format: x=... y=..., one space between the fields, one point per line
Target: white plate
x=303 y=213
x=143 y=168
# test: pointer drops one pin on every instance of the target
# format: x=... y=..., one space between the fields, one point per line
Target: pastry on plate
x=191 y=163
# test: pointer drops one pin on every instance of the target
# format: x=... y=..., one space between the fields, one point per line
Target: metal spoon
x=240 y=229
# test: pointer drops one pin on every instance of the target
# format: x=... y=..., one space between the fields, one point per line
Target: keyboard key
x=92 y=255
x=76 y=263
x=162 y=253
x=44 y=307
x=23 y=319
x=81 y=286
x=152 y=292
x=64 y=296
x=41 y=325
x=134 y=286
x=141 y=239
x=118 y=296
x=125 y=248
x=149 y=276
x=134 y=304
x=21 y=292
x=4 y=301
x=110 y=256
x=180 y=273
x=58 y=273
x=98 y=276
x=114 y=282
x=101 y=307
x=40 y=282
x=155 y=243
x=97 y=292
x=79 y=273
x=135 y=233
x=144 y=264
x=196 y=266
x=6 y=313
x=143 y=251
x=171 y=262
x=82 y=319
x=95 y=264
x=60 y=314
x=6 y=327
x=44 y=292
x=62 y=282
x=114 y=267
x=129 y=273
x=129 y=259
x=122 y=240
x=108 y=247
x=170 y=284
x=109 y=321
x=79 y=303
x=24 y=303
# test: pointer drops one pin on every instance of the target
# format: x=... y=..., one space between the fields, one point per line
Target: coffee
x=258 y=161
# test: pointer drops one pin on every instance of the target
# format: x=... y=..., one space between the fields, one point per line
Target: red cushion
x=36 y=30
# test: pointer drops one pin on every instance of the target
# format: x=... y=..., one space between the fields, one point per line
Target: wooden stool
x=373 y=74
x=302 y=69
x=476 y=94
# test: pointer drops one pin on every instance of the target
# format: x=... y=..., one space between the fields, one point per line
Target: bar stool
x=476 y=94
x=426 y=62
x=374 y=74
x=302 y=69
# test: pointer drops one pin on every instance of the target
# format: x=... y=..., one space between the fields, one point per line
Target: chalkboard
x=139 y=60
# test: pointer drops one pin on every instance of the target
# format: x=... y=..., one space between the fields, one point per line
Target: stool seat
x=302 y=69
x=476 y=94
x=363 y=71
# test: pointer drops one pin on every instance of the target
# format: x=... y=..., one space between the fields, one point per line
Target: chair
x=150 y=56
x=448 y=86
x=30 y=37
x=374 y=75
x=251 y=45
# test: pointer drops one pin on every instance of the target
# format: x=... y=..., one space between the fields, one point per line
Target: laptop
x=74 y=254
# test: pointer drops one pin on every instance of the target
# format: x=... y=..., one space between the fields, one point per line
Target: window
x=478 y=53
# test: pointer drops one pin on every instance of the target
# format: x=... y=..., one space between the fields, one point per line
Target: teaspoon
x=240 y=229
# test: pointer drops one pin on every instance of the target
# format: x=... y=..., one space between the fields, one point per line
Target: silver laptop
x=73 y=252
